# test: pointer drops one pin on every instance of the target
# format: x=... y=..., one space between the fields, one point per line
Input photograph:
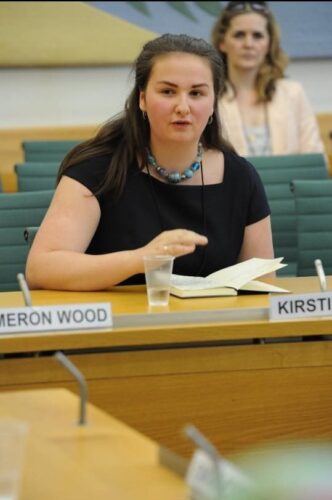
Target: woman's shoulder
x=93 y=166
x=238 y=167
x=90 y=171
x=234 y=160
x=94 y=162
x=289 y=87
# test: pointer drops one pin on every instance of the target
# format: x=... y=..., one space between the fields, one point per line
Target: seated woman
x=262 y=112
x=158 y=179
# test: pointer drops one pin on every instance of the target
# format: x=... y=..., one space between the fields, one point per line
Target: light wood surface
x=202 y=369
x=128 y=302
x=104 y=459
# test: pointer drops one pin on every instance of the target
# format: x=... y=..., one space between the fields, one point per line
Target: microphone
x=229 y=479
x=75 y=372
x=202 y=442
x=211 y=451
x=321 y=275
x=24 y=289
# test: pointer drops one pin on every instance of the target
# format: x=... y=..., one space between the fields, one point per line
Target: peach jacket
x=292 y=124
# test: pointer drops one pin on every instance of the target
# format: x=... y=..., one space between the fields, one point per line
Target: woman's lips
x=181 y=123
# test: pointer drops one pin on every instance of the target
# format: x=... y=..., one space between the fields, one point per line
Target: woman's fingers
x=177 y=249
x=181 y=241
x=176 y=242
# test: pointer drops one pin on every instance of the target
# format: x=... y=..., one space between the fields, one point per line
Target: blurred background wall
x=69 y=63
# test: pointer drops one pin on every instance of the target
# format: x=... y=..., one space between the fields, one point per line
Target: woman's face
x=179 y=98
x=246 y=42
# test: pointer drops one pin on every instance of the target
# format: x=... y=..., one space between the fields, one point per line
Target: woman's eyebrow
x=165 y=82
x=171 y=84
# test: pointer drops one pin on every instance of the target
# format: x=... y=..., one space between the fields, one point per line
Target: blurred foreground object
x=297 y=471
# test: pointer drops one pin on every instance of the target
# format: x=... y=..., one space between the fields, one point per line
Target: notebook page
x=239 y=274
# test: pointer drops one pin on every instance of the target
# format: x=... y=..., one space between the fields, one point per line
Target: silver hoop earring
x=210 y=120
x=144 y=115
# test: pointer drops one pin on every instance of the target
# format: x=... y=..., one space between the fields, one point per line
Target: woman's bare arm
x=257 y=242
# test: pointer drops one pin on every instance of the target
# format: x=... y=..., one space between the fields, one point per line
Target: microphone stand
x=321 y=275
x=211 y=451
x=75 y=372
x=24 y=289
x=228 y=476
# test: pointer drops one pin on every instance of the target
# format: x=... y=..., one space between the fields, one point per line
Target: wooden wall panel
x=239 y=396
x=11 y=145
x=325 y=127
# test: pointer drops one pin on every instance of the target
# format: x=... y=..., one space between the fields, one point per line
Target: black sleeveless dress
x=149 y=206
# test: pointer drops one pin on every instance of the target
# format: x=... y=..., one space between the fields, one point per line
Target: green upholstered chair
x=313 y=203
x=276 y=172
x=36 y=176
x=52 y=151
x=18 y=211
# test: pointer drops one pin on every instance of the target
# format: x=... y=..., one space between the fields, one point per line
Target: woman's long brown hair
x=126 y=136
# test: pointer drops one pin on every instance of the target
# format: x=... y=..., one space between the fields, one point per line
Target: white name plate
x=59 y=317
x=301 y=305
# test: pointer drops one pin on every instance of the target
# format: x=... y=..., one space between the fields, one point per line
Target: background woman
x=262 y=112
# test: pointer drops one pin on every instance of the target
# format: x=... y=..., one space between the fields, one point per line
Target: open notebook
x=229 y=281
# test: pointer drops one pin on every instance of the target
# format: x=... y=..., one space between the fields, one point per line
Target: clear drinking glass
x=158 y=272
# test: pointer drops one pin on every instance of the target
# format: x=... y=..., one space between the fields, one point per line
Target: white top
x=258 y=140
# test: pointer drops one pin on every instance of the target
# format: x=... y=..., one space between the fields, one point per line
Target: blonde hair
x=276 y=59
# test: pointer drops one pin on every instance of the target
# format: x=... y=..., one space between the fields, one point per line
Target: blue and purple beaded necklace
x=175 y=177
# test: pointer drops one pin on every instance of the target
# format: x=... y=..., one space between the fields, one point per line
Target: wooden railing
x=11 y=143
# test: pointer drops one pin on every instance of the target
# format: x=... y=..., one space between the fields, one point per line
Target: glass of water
x=158 y=272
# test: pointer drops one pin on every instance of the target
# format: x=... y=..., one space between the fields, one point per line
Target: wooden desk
x=102 y=460
x=194 y=363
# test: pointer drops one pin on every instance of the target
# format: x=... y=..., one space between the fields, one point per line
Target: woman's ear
x=142 y=105
x=221 y=47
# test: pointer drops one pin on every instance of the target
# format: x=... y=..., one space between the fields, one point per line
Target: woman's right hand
x=176 y=242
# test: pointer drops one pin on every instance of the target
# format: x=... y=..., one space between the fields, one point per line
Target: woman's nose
x=182 y=106
x=248 y=40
